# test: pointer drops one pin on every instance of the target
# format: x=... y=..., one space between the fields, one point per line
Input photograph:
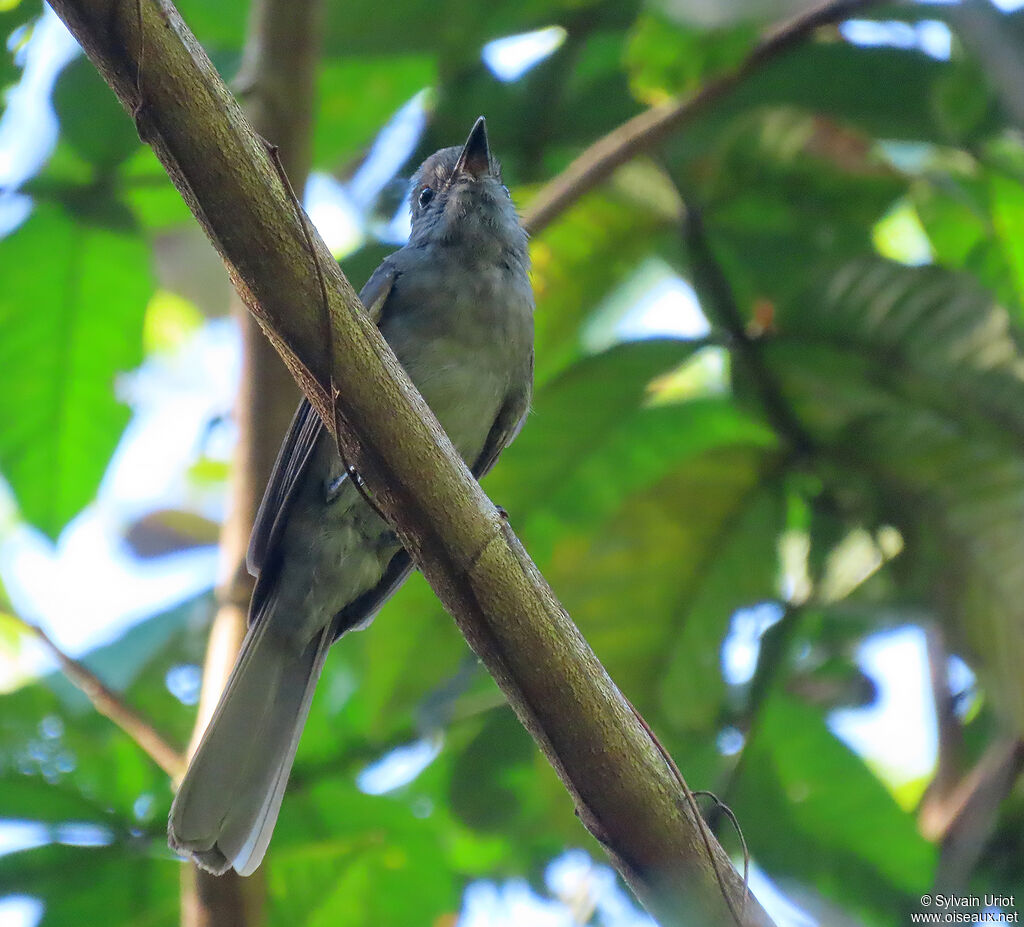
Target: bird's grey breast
x=461 y=323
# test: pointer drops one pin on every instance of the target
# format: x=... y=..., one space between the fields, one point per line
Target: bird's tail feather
x=228 y=802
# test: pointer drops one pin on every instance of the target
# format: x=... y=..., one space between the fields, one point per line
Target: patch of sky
x=399 y=767
x=778 y=905
x=897 y=733
x=581 y=890
x=511 y=56
x=654 y=302
x=28 y=127
x=929 y=36
x=17 y=836
x=340 y=211
x=20 y=911
x=184 y=682
x=742 y=644
x=962 y=686
x=730 y=741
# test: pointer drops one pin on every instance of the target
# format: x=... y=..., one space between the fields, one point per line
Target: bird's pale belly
x=465 y=394
x=338 y=551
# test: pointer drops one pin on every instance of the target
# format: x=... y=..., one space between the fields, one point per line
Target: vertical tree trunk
x=276 y=83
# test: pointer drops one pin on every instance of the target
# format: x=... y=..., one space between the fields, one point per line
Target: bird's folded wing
x=298 y=445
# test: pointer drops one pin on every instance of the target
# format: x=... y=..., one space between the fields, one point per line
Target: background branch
x=111 y=705
x=277 y=84
x=720 y=305
x=623 y=790
x=651 y=127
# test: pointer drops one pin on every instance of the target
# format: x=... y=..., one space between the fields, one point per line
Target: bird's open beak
x=475 y=159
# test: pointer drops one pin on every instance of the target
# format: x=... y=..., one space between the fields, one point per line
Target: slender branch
x=648 y=129
x=111 y=705
x=965 y=820
x=623 y=790
x=720 y=303
x=950 y=730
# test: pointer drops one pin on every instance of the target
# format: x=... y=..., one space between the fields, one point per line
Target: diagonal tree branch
x=651 y=127
x=111 y=705
x=624 y=791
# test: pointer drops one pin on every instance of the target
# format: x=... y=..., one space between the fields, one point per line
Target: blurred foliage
x=655 y=489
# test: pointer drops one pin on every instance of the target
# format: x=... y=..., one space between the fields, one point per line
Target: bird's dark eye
x=426 y=195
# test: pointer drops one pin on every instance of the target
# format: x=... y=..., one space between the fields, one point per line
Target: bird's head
x=458 y=198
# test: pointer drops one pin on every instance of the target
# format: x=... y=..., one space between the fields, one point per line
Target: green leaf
x=789 y=192
x=666 y=58
x=569 y=285
x=595 y=435
x=346 y=121
x=117 y=884
x=913 y=377
x=219 y=24
x=71 y=308
x=13 y=14
x=144 y=185
x=92 y=120
x=482 y=788
x=1006 y=197
x=970 y=217
x=811 y=810
x=652 y=559
x=458 y=28
x=854 y=84
x=340 y=856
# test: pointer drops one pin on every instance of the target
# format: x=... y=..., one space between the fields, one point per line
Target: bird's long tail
x=228 y=802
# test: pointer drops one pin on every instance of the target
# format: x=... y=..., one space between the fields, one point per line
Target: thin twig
x=111 y=705
x=139 y=104
x=731 y=815
x=654 y=125
x=702 y=825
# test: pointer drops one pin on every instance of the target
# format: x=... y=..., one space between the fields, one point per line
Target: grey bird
x=457 y=309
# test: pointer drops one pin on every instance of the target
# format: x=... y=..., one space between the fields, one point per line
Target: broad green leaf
x=146 y=188
x=970 y=217
x=53 y=739
x=631 y=584
x=569 y=285
x=355 y=95
x=117 y=884
x=13 y=14
x=1006 y=197
x=854 y=84
x=914 y=377
x=92 y=120
x=72 y=322
x=665 y=58
x=456 y=28
x=342 y=856
x=219 y=24
x=811 y=810
x=65 y=766
x=789 y=192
